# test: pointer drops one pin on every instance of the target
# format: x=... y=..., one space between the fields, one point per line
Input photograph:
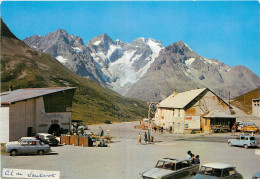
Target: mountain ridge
x=123 y=67
x=180 y=68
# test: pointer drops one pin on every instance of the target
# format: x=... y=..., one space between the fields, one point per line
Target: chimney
x=11 y=88
x=175 y=93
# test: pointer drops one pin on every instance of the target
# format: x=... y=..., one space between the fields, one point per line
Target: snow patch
x=97 y=42
x=77 y=49
x=209 y=61
x=156 y=48
x=112 y=49
x=189 y=62
x=61 y=59
x=188 y=47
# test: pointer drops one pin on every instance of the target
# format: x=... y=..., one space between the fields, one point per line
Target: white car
x=28 y=146
x=171 y=168
x=217 y=170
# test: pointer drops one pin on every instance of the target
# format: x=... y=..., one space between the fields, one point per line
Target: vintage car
x=256 y=176
x=47 y=138
x=244 y=140
x=83 y=126
x=240 y=125
x=29 y=146
x=252 y=128
x=171 y=168
x=217 y=170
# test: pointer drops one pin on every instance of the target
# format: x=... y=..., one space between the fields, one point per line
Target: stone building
x=188 y=111
x=25 y=112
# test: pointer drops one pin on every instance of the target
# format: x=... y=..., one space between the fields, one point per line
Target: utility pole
x=229 y=98
x=152 y=109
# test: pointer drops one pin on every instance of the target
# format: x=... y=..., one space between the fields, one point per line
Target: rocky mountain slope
x=69 y=50
x=23 y=67
x=116 y=64
x=143 y=69
x=244 y=102
x=179 y=67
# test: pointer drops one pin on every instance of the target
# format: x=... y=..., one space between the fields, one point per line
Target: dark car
x=108 y=122
x=47 y=138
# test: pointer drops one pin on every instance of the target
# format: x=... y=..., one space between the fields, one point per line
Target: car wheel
x=40 y=152
x=230 y=144
x=245 y=146
x=13 y=153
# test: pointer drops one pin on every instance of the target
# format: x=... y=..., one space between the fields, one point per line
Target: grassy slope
x=244 y=102
x=23 y=67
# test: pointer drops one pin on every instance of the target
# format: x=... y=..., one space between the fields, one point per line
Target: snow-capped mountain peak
x=123 y=64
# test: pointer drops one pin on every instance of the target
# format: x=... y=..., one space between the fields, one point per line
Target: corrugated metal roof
x=181 y=99
x=218 y=114
x=10 y=97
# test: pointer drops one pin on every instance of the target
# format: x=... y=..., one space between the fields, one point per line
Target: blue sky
x=227 y=31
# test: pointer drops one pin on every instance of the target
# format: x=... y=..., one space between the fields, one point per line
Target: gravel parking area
x=125 y=159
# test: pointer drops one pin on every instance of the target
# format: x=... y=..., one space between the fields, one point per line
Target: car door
x=32 y=147
x=24 y=147
x=183 y=169
x=242 y=140
x=230 y=173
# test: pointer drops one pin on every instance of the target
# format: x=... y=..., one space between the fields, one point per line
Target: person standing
x=170 y=129
x=233 y=131
x=197 y=159
x=189 y=155
x=192 y=158
x=145 y=138
x=139 y=139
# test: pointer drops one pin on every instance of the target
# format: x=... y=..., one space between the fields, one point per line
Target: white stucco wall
x=4 y=124
x=256 y=108
x=167 y=117
x=31 y=113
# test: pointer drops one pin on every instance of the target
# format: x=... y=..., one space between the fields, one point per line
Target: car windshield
x=210 y=171
x=165 y=165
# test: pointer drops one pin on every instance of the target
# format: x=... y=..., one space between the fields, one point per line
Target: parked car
x=240 y=125
x=27 y=147
x=244 y=140
x=47 y=138
x=84 y=126
x=108 y=122
x=171 y=168
x=217 y=170
x=256 y=176
x=20 y=140
x=253 y=129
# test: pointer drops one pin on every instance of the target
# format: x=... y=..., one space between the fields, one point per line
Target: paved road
x=125 y=159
